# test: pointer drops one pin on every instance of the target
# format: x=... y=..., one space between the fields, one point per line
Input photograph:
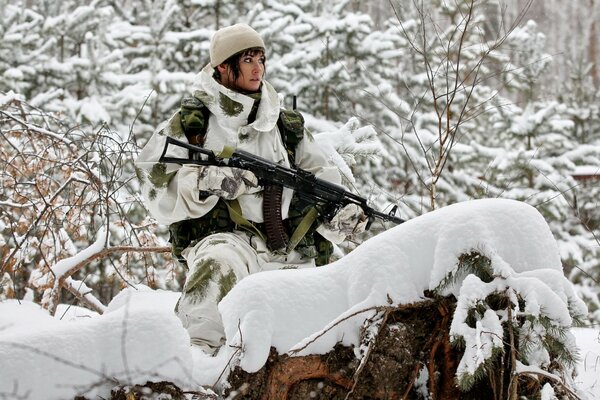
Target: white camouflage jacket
x=170 y=191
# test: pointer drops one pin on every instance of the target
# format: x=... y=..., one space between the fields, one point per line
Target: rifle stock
x=306 y=185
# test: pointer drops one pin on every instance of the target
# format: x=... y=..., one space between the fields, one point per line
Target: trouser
x=216 y=264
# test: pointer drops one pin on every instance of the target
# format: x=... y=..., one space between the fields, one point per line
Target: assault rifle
x=306 y=185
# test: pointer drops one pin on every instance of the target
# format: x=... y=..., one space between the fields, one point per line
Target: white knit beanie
x=231 y=40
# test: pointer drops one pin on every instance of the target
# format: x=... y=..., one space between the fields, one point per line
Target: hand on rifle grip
x=350 y=220
x=225 y=182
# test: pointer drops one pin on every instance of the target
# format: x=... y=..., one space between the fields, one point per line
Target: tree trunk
x=412 y=346
x=593 y=48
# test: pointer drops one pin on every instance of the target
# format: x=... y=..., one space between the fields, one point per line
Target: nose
x=258 y=68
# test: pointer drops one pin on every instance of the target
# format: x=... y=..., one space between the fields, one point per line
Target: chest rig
x=226 y=216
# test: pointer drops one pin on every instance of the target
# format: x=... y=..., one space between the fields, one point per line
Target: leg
x=215 y=264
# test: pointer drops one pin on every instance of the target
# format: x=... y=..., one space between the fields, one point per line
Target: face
x=252 y=70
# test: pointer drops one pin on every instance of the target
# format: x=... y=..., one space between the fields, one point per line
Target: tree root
x=410 y=338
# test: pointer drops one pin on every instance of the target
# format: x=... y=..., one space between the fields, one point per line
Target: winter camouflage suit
x=191 y=199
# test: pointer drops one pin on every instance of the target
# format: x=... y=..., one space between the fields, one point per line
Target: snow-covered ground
x=138 y=338
x=588 y=367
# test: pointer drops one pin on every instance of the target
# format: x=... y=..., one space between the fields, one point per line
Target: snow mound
x=313 y=309
x=137 y=340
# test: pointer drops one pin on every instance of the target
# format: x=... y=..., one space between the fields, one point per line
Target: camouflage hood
x=232 y=108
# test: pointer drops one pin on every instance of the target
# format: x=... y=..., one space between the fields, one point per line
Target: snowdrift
x=139 y=338
x=287 y=309
x=135 y=341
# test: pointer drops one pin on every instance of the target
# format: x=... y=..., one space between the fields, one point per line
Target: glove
x=225 y=182
x=350 y=220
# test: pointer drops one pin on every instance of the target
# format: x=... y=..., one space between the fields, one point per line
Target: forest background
x=428 y=103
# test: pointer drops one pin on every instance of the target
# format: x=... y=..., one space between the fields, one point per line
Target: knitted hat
x=231 y=40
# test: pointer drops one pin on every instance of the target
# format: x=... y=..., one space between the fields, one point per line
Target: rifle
x=306 y=185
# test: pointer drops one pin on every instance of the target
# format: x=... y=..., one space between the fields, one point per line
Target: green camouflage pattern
x=205 y=271
x=188 y=232
x=291 y=128
x=193 y=115
x=229 y=106
x=174 y=127
x=197 y=283
x=204 y=97
x=159 y=178
x=226 y=283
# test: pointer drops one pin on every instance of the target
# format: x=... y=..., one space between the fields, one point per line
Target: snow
x=584 y=170
x=8 y=97
x=306 y=311
x=343 y=144
x=418 y=255
x=63 y=266
x=137 y=340
x=588 y=367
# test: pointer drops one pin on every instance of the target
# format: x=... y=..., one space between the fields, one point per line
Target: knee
x=216 y=264
x=207 y=272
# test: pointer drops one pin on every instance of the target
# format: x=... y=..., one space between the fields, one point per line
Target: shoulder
x=291 y=125
x=194 y=114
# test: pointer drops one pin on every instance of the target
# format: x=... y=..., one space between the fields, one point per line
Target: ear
x=222 y=69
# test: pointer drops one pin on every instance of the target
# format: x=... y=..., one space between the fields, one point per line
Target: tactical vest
x=193 y=119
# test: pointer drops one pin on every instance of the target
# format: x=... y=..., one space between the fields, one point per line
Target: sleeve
x=170 y=191
x=310 y=157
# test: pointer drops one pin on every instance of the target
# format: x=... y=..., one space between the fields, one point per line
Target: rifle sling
x=276 y=236
x=302 y=228
x=227 y=152
x=235 y=213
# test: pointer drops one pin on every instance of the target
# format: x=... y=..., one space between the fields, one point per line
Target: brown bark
x=412 y=340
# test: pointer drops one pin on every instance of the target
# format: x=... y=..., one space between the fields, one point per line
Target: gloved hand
x=350 y=220
x=225 y=182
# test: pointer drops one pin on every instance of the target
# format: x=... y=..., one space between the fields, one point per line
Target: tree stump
x=411 y=358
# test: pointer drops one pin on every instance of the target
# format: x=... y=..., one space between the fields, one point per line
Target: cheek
x=243 y=71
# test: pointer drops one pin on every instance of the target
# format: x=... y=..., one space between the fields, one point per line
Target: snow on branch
x=348 y=143
x=65 y=268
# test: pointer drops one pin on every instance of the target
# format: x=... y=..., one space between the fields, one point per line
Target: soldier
x=223 y=225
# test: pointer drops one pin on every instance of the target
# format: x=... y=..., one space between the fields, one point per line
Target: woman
x=232 y=105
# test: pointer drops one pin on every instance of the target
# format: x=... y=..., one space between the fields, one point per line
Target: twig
x=413 y=377
x=83 y=297
x=116 y=249
x=339 y=321
x=238 y=349
x=370 y=347
x=62 y=279
x=513 y=387
x=559 y=381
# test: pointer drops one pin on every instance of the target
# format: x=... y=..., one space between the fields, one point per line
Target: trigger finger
x=250 y=179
